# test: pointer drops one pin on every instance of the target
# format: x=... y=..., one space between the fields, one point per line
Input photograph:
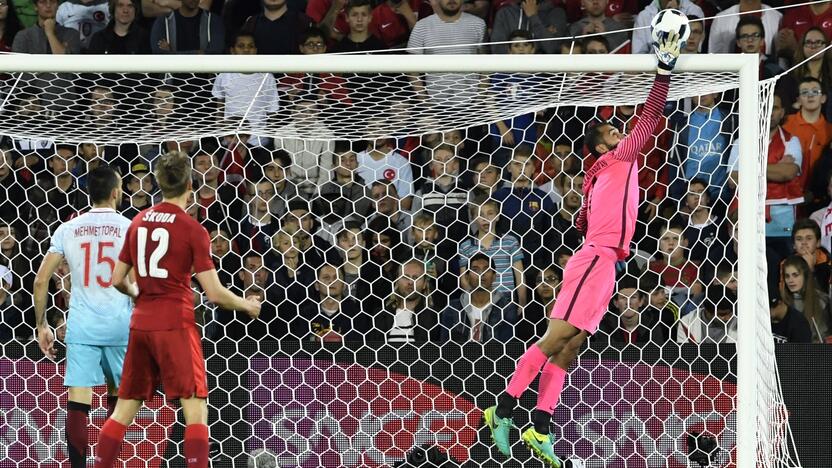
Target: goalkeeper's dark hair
x=594 y=137
x=749 y=20
x=101 y=182
x=173 y=172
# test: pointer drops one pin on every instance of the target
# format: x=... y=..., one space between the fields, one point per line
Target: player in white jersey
x=99 y=316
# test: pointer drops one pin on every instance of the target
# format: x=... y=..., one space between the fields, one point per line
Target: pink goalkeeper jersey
x=612 y=182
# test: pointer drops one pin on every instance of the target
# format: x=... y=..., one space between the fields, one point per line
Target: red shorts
x=588 y=284
x=170 y=357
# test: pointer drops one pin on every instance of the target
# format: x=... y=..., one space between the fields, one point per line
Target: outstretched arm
x=667 y=52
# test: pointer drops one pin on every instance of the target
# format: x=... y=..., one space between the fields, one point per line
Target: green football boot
x=500 y=428
x=543 y=446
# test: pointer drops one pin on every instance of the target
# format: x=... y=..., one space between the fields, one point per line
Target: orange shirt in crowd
x=814 y=138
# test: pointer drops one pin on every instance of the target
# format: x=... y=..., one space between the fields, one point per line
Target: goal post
x=563 y=80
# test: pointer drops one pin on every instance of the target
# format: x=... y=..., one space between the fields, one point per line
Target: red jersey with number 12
x=165 y=246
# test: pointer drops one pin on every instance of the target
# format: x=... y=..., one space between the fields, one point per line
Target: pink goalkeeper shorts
x=588 y=284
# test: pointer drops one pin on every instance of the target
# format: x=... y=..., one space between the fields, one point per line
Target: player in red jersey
x=163 y=247
x=589 y=277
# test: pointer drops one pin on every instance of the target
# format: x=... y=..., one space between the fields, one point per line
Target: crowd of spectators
x=457 y=236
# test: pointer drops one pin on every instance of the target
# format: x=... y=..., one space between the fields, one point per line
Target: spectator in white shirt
x=723 y=28
x=381 y=161
x=236 y=91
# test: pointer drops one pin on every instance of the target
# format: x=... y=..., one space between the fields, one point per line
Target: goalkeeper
x=589 y=278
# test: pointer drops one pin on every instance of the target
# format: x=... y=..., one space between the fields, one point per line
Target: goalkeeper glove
x=667 y=51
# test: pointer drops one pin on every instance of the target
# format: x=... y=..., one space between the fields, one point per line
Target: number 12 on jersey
x=162 y=237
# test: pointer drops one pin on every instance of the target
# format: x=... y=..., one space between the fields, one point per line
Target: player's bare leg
x=77 y=422
x=195 y=411
x=112 y=433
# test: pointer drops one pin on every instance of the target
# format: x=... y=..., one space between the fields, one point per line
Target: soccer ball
x=670 y=20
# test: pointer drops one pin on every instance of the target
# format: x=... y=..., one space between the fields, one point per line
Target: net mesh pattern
x=352 y=206
x=112 y=108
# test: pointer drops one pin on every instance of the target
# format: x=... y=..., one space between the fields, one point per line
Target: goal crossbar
x=401 y=63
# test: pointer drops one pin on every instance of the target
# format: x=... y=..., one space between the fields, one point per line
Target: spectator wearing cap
x=542 y=20
x=787 y=324
x=188 y=30
x=123 y=34
x=713 y=322
x=141 y=186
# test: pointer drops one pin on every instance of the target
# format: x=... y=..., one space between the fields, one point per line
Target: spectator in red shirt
x=330 y=16
x=797 y=21
x=9 y=25
x=393 y=20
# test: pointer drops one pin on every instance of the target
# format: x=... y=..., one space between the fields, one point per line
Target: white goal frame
x=752 y=301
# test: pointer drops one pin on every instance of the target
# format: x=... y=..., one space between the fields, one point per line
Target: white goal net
x=406 y=221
